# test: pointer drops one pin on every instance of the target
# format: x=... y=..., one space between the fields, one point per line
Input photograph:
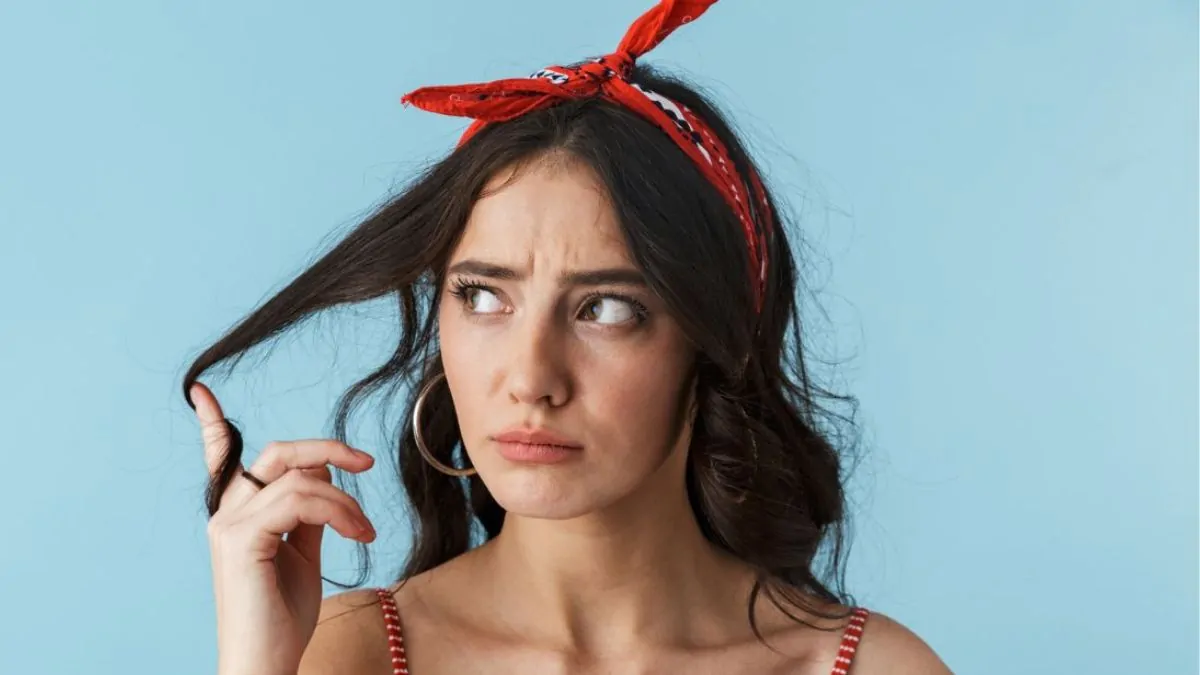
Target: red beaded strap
x=391 y=619
x=850 y=640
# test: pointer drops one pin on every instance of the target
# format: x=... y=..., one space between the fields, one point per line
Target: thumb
x=213 y=427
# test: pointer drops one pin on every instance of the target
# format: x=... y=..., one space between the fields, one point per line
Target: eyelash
x=460 y=287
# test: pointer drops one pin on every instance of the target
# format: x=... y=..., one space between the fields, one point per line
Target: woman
x=616 y=461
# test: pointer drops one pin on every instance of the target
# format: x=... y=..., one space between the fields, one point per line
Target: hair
x=765 y=476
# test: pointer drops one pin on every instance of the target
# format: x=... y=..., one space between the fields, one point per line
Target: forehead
x=552 y=214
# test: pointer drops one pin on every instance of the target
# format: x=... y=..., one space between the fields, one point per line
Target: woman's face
x=547 y=328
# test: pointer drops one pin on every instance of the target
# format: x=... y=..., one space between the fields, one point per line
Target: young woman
x=615 y=458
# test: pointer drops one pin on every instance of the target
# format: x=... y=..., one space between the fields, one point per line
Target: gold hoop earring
x=420 y=440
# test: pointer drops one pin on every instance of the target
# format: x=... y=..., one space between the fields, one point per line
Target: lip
x=536 y=436
x=536 y=446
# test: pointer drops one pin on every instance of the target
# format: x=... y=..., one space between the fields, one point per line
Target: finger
x=302 y=482
x=280 y=457
x=305 y=486
x=213 y=428
x=306 y=539
x=296 y=501
x=261 y=532
x=321 y=473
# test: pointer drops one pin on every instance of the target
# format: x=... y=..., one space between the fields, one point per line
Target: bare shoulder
x=888 y=647
x=350 y=639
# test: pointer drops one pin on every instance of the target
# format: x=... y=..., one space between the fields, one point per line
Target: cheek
x=460 y=353
x=637 y=401
x=460 y=339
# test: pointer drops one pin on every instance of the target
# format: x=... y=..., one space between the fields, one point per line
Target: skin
x=601 y=566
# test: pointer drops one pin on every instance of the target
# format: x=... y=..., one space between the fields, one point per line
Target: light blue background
x=1004 y=195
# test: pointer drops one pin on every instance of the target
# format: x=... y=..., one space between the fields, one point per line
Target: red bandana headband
x=607 y=78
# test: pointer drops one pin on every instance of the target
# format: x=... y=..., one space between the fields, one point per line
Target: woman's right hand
x=266 y=544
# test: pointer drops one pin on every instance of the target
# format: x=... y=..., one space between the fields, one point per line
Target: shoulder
x=888 y=647
x=350 y=638
x=884 y=645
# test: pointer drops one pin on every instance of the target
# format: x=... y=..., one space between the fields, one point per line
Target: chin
x=539 y=493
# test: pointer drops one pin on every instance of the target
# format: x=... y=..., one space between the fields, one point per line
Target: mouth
x=536 y=446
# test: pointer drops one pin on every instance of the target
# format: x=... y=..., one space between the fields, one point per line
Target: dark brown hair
x=765 y=476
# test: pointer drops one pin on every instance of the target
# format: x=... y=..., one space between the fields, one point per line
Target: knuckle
x=313 y=482
x=291 y=479
x=293 y=501
x=273 y=454
x=308 y=483
x=214 y=431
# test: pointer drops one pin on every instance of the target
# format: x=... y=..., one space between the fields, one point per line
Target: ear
x=685 y=422
x=691 y=407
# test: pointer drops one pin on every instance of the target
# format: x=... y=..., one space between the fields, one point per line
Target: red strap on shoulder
x=391 y=619
x=850 y=640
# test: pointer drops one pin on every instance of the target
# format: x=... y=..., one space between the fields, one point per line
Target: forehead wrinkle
x=523 y=224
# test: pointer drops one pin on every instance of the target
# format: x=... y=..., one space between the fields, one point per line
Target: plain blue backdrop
x=1002 y=198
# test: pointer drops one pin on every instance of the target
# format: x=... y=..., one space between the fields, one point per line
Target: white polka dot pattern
x=850 y=640
x=391 y=619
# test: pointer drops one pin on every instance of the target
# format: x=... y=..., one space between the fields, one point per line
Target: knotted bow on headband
x=607 y=77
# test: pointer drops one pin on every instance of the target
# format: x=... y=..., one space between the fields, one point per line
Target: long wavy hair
x=765 y=475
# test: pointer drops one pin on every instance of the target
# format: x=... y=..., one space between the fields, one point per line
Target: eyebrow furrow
x=479 y=268
x=625 y=276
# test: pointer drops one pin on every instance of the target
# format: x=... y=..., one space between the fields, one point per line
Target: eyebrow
x=626 y=276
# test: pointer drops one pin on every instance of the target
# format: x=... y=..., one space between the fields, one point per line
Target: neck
x=639 y=572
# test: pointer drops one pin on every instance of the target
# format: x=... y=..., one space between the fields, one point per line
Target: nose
x=537 y=372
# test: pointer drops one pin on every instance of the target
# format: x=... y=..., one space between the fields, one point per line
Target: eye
x=477 y=299
x=483 y=301
x=611 y=311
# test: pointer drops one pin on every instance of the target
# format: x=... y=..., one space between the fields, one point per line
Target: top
x=391 y=619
